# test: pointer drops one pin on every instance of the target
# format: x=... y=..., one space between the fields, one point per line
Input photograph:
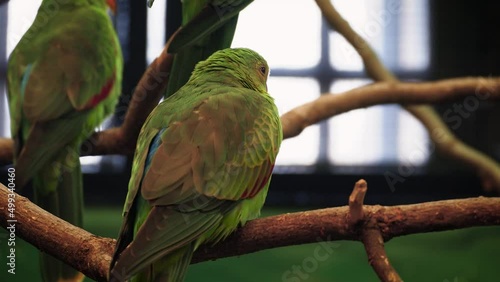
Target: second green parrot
x=64 y=77
x=202 y=167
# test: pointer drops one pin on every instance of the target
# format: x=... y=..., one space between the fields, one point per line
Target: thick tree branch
x=91 y=254
x=443 y=138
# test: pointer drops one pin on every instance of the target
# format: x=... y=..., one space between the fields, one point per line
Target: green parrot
x=202 y=167
x=208 y=26
x=64 y=77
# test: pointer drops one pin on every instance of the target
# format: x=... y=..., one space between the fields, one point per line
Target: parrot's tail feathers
x=169 y=270
x=61 y=194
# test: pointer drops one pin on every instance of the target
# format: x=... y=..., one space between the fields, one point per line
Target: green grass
x=453 y=256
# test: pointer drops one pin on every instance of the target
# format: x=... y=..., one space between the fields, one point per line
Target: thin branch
x=91 y=254
x=356 y=202
x=443 y=138
x=329 y=104
x=377 y=257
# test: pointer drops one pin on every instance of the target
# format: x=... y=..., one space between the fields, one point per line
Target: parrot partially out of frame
x=207 y=26
x=64 y=78
x=202 y=167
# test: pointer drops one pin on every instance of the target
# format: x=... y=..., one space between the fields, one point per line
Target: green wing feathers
x=202 y=167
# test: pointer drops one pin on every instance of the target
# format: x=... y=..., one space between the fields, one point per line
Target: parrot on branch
x=202 y=167
x=207 y=26
x=64 y=78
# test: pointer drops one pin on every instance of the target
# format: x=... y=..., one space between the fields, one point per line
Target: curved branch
x=329 y=105
x=91 y=254
x=445 y=141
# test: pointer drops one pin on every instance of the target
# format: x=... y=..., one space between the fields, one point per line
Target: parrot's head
x=112 y=5
x=243 y=66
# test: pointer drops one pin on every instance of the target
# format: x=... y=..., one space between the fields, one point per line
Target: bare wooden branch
x=443 y=138
x=91 y=254
x=332 y=104
x=356 y=202
x=377 y=257
x=84 y=251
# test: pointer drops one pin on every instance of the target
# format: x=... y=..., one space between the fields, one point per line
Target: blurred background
x=417 y=40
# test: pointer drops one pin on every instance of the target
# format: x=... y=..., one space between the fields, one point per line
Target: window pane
x=365 y=18
x=279 y=31
x=4 y=114
x=355 y=138
x=156 y=30
x=21 y=16
x=414 y=35
x=413 y=140
x=289 y=93
x=342 y=55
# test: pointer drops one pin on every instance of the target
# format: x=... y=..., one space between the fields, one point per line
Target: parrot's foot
x=77 y=278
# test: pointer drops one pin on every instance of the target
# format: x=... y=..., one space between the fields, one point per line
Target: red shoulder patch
x=103 y=94
x=259 y=184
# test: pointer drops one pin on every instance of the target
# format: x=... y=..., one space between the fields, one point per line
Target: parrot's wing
x=223 y=149
x=53 y=75
x=206 y=162
x=61 y=70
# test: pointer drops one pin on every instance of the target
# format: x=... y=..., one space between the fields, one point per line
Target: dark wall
x=465 y=42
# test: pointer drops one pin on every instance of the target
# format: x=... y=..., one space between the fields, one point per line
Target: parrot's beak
x=112 y=5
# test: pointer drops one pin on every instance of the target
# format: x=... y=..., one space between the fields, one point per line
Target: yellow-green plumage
x=202 y=167
x=64 y=78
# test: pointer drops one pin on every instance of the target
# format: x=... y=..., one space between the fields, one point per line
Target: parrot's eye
x=263 y=70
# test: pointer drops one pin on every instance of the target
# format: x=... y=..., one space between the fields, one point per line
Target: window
x=307 y=58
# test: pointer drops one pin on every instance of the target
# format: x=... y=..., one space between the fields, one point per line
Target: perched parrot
x=64 y=77
x=208 y=26
x=202 y=167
